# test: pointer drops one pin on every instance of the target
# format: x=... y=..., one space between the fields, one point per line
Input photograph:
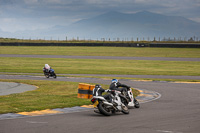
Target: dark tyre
x=113 y=111
x=137 y=104
x=124 y=106
x=124 y=101
x=105 y=111
x=125 y=109
x=54 y=76
x=47 y=76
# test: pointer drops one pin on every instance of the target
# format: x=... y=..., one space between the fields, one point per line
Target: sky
x=20 y=15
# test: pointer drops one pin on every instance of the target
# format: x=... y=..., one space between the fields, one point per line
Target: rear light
x=93 y=100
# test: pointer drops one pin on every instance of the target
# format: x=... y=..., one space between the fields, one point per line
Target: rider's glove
x=108 y=90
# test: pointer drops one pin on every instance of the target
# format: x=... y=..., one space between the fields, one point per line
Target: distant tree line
x=165 y=39
x=75 y=39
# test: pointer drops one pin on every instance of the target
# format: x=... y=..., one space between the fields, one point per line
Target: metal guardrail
x=128 y=44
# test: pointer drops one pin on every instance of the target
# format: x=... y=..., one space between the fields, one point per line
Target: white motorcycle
x=119 y=103
x=132 y=101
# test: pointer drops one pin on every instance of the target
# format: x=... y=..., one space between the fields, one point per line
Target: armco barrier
x=124 y=44
x=85 y=90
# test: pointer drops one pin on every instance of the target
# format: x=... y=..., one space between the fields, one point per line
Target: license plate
x=96 y=103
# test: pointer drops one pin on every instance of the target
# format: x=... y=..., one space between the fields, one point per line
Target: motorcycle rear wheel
x=54 y=76
x=137 y=104
x=104 y=110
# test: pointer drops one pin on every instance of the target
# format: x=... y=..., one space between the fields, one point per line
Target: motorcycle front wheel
x=104 y=110
x=125 y=109
x=46 y=75
x=54 y=76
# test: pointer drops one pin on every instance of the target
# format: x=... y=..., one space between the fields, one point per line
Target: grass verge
x=100 y=66
x=102 y=51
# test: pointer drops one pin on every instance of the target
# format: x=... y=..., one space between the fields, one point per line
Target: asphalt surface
x=4 y=74
x=177 y=111
x=7 y=88
x=103 y=57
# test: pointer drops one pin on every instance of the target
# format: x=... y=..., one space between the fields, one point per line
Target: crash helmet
x=97 y=86
x=47 y=66
x=114 y=81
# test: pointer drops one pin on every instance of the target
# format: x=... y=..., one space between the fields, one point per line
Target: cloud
x=30 y=1
x=46 y=13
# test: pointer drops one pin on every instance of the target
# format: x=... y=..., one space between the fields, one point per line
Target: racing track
x=102 y=57
x=177 y=111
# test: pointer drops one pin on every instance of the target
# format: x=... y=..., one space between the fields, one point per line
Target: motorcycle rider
x=115 y=84
x=98 y=90
x=46 y=68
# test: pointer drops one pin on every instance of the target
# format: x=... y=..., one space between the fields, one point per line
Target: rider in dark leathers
x=116 y=84
x=98 y=90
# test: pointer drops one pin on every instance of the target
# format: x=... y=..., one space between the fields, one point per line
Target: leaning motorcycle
x=51 y=73
x=119 y=104
x=132 y=101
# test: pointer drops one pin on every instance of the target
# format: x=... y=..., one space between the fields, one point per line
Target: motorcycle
x=119 y=104
x=49 y=73
x=132 y=101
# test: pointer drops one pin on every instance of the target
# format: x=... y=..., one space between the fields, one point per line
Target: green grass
x=49 y=95
x=100 y=66
x=103 y=51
